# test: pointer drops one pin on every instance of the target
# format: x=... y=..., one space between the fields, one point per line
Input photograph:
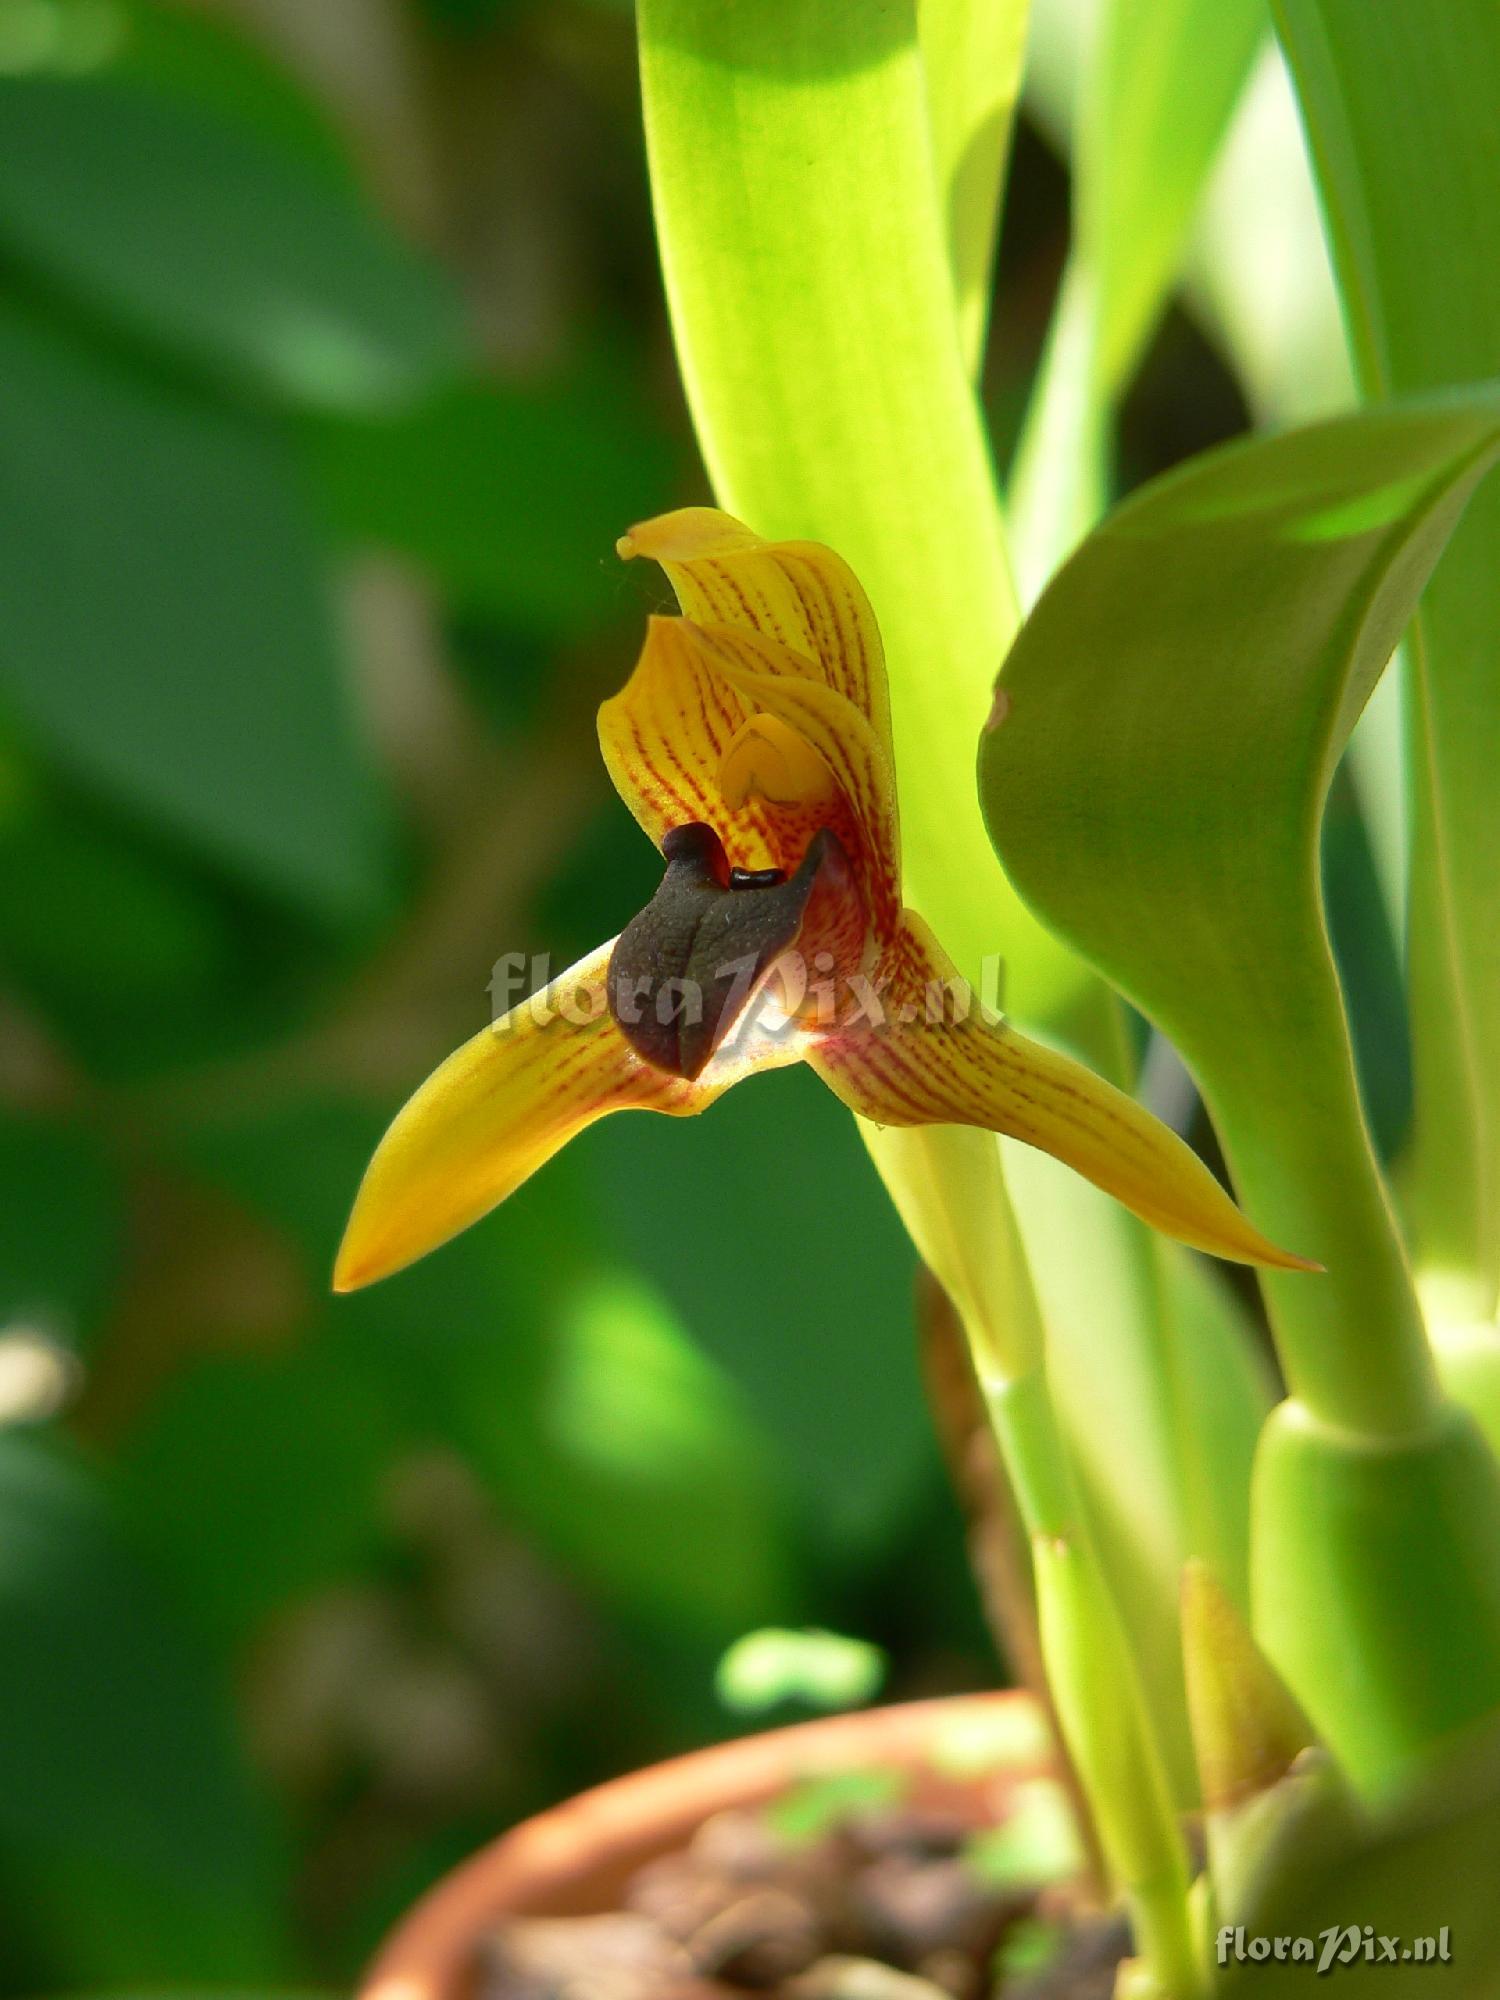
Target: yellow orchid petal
x=664 y=738
x=494 y=1112
x=677 y=742
x=909 y=1068
x=768 y=760
x=797 y=595
x=754 y=669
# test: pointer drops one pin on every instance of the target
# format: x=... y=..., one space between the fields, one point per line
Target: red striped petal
x=799 y=596
x=921 y=1063
x=494 y=1112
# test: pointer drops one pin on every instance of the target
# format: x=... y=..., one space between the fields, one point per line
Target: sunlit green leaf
x=1156 y=784
x=157 y=545
x=191 y=232
x=971 y=54
x=1400 y=108
x=1170 y=722
x=1159 y=81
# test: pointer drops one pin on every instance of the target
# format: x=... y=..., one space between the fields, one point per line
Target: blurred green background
x=332 y=361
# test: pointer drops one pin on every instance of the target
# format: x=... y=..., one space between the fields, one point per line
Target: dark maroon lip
x=683 y=969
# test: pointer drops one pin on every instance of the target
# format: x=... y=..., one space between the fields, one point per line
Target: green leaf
x=216 y=1477
x=61 y=1228
x=972 y=52
x=167 y=632
x=1400 y=109
x=1160 y=81
x=512 y=496
x=1172 y=717
x=126 y=1820
x=191 y=232
x=1177 y=704
x=1257 y=270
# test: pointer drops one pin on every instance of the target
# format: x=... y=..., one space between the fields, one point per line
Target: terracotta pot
x=575 y=1859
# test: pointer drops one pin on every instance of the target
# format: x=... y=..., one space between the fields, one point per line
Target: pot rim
x=605 y=1832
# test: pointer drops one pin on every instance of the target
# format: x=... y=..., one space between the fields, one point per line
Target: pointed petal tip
x=625 y=546
x=1272 y=1257
x=358 y=1264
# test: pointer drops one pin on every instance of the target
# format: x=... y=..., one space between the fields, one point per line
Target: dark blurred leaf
x=166 y=632
x=60 y=1228
x=513 y=494
x=257 y=1478
x=127 y=1823
x=764 y=1224
x=472 y=17
x=137 y=933
x=206 y=60
x=621 y=1449
x=193 y=233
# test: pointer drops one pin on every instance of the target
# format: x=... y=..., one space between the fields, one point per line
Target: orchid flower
x=753 y=745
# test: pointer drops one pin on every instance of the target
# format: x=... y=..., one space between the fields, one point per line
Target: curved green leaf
x=1400 y=103
x=1176 y=707
x=1170 y=721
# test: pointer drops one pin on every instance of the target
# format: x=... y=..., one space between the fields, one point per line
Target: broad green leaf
x=1176 y=706
x=146 y=941
x=1168 y=726
x=1400 y=108
x=127 y=1824
x=971 y=53
x=512 y=495
x=167 y=634
x=806 y=264
x=1160 y=80
x=808 y=276
x=211 y=63
x=193 y=233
